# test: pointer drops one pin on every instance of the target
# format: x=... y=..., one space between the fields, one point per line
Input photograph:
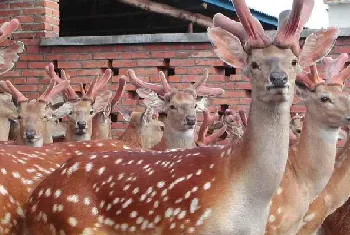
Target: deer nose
x=347 y=119
x=191 y=120
x=30 y=134
x=81 y=124
x=279 y=79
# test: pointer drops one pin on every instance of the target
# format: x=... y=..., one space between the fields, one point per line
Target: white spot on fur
x=272 y=218
x=194 y=205
x=72 y=221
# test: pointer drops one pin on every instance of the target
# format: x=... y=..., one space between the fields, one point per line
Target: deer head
x=34 y=115
x=271 y=64
x=80 y=111
x=103 y=106
x=9 y=54
x=180 y=106
x=325 y=99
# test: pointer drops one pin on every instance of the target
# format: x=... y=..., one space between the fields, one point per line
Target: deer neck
x=47 y=134
x=314 y=160
x=174 y=139
x=101 y=127
x=132 y=137
x=263 y=151
x=5 y=125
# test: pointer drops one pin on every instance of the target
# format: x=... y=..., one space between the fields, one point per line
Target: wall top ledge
x=146 y=39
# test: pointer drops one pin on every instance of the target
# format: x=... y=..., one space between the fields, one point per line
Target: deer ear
x=317 y=45
x=102 y=102
x=63 y=110
x=228 y=47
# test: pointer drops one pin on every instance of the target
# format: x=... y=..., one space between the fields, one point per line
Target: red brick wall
x=40 y=19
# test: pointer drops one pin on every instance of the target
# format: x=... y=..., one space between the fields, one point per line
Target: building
x=338 y=11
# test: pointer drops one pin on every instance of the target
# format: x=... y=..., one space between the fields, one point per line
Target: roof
x=336 y=1
x=261 y=16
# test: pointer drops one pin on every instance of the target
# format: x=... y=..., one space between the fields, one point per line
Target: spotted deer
x=81 y=111
x=337 y=190
x=34 y=115
x=327 y=109
x=180 y=107
x=206 y=190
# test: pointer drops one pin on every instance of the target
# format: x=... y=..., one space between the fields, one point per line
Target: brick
x=37 y=65
x=148 y=63
x=209 y=62
x=182 y=62
x=11 y=73
x=21 y=65
x=163 y=54
x=33 y=72
x=124 y=63
x=25 y=19
x=225 y=101
x=64 y=65
x=94 y=64
x=32 y=81
x=107 y=55
x=140 y=55
x=30 y=57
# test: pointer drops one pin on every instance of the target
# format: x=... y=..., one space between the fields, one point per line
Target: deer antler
x=333 y=67
x=8 y=28
x=208 y=119
x=202 y=90
x=120 y=91
x=52 y=90
x=69 y=92
x=250 y=32
x=11 y=89
x=289 y=31
x=243 y=116
x=161 y=90
x=311 y=79
x=96 y=85
x=199 y=86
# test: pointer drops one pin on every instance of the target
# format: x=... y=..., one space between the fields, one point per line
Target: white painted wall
x=339 y=15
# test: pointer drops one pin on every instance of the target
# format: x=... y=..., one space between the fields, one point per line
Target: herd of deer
x=276 y=175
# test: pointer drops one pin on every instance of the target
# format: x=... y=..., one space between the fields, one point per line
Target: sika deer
x=180 y=107
x=207 y=190
x=34 y=115
x=337 y=190
x=81 y=111
x=328 y=108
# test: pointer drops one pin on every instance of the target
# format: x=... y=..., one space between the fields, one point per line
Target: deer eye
x=19 y=117
x=294 y=62
x=71 y=113
x=325 y=99
x=91 y=112
x=172 y=107
x=255 y=65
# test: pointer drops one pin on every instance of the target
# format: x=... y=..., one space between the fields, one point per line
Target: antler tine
x=69 y=93
x=4 y=88
x=334 y=66
x=311 y=79
x=82 y=90
x=52 y=90
x=289 y=33
x=120 y=91
x=236 y=28
x=159 y=89
x=342 y=76
x=16 y=93
x=8 y=28
x=98 y=83
x=256 y=37
x=203 y=90
x=164 y=82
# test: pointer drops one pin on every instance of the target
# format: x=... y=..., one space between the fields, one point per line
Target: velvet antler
x=311 y=79
x=208 y=120
x=69 y=92
x=289 y=32
x=11 y=89
x=96 y=85
x=335 y=74
x=120 y=91
x=8 y=28
x=249 y=31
